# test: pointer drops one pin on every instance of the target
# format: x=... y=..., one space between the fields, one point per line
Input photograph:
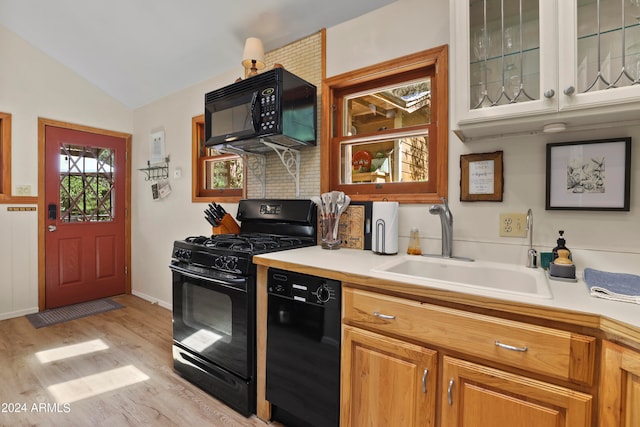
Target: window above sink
x=387 y=130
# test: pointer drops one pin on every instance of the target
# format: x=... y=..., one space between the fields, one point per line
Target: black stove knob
x=182 y=254
x=232 y=263
x=323 y=293
x=227 y=263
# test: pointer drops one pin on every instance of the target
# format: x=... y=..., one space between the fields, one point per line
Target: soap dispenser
x=561 y=246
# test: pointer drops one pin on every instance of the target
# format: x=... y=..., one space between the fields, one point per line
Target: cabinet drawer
x=547 y=351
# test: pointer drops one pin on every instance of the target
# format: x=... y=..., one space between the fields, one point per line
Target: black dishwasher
x=303 y=349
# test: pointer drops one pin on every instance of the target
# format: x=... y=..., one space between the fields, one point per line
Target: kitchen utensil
x=326 y=202
x=340 y=204
x=211 y=218
x=211 y=221
x=331 y=204
x=220 y=211
x=215 y=211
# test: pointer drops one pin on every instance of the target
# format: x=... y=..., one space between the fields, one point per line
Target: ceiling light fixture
x=253 y=57
x=554 y=127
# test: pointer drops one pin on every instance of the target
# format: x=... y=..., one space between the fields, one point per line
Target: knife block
x=228 y=225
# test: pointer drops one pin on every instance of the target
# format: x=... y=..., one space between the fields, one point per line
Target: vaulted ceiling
x=141 y=50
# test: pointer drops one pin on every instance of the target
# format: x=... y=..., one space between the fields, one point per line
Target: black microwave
x=275 y=106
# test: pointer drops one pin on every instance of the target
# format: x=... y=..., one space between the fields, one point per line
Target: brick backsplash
x=304 y=59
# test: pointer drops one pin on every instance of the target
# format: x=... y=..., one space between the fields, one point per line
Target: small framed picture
x=589 y=175
x=481 y=177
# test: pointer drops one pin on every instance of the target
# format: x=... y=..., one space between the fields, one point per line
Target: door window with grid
x=86 y=183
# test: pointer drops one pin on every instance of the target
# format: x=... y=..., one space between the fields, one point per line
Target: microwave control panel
x=268 y=109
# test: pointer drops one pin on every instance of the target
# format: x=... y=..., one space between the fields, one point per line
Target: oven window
x=207 y=312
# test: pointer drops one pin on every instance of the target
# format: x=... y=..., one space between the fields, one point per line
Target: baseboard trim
x=19 y=313
x=153 y=300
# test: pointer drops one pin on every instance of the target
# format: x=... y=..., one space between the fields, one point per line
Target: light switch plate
x=513 y=225
x=23 y=190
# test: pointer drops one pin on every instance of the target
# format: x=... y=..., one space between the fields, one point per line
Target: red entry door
x=85 y=216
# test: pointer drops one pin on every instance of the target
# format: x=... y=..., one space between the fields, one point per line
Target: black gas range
x=214 y=296
x=232 y=253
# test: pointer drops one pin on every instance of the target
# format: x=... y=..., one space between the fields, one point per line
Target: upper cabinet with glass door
x=600 y=61
x=526 y=66
x=504 y=60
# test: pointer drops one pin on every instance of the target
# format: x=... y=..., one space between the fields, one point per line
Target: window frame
x=5 y=155
x=432 y=62
x=198 y=192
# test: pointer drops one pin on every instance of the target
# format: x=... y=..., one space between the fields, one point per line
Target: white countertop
x=567 y=296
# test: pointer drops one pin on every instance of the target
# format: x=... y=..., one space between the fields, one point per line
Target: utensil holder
x=330 y=238
x=228 y=225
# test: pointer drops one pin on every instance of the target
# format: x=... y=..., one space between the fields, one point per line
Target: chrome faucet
x=532 y=255
x=446 y=221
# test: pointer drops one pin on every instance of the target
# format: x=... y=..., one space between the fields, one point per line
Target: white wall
x=401 y=28
x=156 y=224
x=33 y=85
x=18 y=263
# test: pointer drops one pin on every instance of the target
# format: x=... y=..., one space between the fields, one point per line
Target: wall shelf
x=156 y=171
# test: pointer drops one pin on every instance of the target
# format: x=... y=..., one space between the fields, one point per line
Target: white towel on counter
x=614 y=286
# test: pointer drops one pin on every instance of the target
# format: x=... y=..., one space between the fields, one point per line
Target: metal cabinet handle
x=549 y=93
x=383 y=316
x=450 y=392
x=569 y=90
x=510 y=347
x=424 y=381
x=52 y=228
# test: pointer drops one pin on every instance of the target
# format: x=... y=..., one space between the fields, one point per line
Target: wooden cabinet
x=619 y=387
x=378 y=366
x=549 y=351
x=477 y=396
x=386 y=382
x=531 y=64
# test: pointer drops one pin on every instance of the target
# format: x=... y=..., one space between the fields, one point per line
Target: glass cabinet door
x=608 y=44
x=533 y=63
x=504 y=52
x=505 y=59
x=603 y=65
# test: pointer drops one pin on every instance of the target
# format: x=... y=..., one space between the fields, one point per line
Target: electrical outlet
x=513 y=225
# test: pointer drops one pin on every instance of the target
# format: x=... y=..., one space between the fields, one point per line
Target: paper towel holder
x=385 y=228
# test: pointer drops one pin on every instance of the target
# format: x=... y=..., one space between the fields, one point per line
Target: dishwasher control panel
x=303 y=287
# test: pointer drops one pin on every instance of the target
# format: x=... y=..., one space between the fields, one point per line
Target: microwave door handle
x=255 y=114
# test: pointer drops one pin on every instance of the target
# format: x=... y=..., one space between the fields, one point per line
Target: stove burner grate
x=250 y=242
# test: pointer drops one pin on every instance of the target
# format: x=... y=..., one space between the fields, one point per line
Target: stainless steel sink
x=479 y=276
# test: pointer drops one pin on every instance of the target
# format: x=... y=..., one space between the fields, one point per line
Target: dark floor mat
x=71 y=312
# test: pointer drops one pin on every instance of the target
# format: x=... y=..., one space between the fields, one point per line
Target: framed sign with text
x=481 y=177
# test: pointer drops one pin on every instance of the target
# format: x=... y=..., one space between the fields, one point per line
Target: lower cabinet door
x=619 y=387
x=386 y=382
x=473 y=395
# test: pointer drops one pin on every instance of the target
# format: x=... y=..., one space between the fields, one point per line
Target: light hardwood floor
x=112 y=369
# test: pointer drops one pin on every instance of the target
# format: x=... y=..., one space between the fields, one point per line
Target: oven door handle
x=239 y=283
